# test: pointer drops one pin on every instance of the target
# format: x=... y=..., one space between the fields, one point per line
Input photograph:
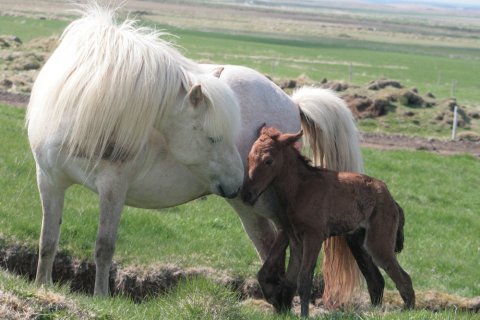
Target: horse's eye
x=214 y=140
x=269 y=162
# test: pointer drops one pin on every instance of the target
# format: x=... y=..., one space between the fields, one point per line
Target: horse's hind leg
x=380 y=243
x=112 y=192
x=370 y=271
x=52 y=194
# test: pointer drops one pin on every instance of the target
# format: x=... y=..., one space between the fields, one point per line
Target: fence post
x=454 y=125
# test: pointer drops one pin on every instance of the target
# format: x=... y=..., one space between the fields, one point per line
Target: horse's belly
x=164 y=187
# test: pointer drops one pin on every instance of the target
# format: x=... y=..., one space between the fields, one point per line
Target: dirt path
x=396 y=142
x=371 y=140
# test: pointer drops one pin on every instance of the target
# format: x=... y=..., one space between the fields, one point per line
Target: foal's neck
x=293 y=172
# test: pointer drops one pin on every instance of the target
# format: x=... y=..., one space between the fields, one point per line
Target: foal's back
x=341 y=201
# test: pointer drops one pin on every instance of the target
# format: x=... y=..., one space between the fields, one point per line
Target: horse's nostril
x=221 y=191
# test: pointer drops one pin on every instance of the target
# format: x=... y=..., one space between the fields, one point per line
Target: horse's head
x=266 y=161
x=202 y=131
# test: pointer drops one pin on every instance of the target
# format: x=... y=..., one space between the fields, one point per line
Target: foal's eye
x=269 y=162
x=214 y=140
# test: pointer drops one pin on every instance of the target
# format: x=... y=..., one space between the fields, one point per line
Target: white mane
x=108 y=82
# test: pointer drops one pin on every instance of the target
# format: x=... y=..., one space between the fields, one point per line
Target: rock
x=468 y=136
x=289 y=84
x=380 y=84
x=410 y=98
x=336 y=86
x=474 y=115
x=364 y=107
x=10 y=41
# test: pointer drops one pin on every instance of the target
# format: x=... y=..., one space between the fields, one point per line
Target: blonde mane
x=108 y=82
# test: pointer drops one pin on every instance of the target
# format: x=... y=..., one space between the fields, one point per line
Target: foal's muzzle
x=248 y=196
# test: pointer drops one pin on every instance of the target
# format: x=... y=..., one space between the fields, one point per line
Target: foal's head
x=266 y=161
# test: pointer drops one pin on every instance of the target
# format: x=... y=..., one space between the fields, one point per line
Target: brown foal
x=321 y=203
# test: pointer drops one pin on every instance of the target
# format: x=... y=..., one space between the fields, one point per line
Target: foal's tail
x=331 y=138
x=400 y=237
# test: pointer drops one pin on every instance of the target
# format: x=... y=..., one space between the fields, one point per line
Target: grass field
x=437 y=193
x=430 y=68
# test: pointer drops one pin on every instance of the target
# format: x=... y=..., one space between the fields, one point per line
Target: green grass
x=193 y=299
x=29 y=28
x=437 y=193
x=430 y=69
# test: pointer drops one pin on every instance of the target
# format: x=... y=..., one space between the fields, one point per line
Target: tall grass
x=193 y=299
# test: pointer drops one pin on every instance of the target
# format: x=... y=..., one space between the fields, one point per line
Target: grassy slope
x=437 y=193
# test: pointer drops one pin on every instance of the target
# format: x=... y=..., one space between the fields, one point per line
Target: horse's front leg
x=258 y=227
x=112 y=188
x=52 y=194
x=270 y=277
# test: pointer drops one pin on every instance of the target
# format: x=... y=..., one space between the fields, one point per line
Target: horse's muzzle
x=222 y=193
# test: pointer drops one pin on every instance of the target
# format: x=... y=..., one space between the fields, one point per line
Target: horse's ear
x=290 y=138
x=217 y=72
x=195 y=95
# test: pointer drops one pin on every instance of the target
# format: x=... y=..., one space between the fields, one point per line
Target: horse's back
x=261 y=101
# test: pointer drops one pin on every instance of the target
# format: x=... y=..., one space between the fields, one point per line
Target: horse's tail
x=104 y=87
x=400 y=238
x=331 y=137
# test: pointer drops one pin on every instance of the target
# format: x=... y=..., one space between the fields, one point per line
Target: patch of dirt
x=14 y=99
x=396 y=142
x=140 y=282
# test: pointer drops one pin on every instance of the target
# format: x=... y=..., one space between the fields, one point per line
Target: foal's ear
x=195 y=95
x=261 y=129
x=290 y=138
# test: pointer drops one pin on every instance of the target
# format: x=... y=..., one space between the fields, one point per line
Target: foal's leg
x=370 y=271
x=311 y=248
x=52 y=194
x=112 y=189
x=291 y=277
x=383 y=255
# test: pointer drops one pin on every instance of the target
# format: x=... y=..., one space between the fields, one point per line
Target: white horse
x=123 y=113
